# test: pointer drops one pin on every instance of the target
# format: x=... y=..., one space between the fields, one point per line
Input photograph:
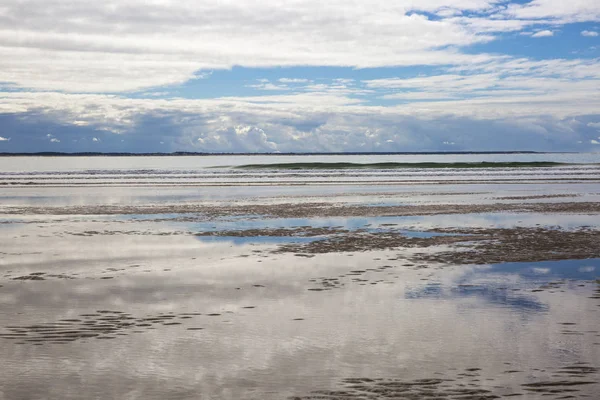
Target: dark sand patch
x=103 y=324
x=449 y=386
x=485 y=246
x=42 y=276
x=305 y=210
x=365 y=241
x=493 y=246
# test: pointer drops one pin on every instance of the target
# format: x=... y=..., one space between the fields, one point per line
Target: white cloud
x=540 y=271
x=4 y=139
x=293 y=80
x=337 y=87
x=544 y=33
x=55 y=140
x=435 y=82
x=448 y=12
x=501 y=89
x=155 y=94
x=232 y=138
x=572 y=69
x=305 y=123
x=510 y=87
x=418 y=96
x=113 y=46
x=488 y=24
x=79 y=47
x=268 y=86
x=558 y=10
x=589 y=33
x=594 y=125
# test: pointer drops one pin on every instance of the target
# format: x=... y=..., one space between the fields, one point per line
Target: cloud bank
x=81 y=76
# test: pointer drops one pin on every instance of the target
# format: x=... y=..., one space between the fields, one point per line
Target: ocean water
x=138 y=180
x=111 y=288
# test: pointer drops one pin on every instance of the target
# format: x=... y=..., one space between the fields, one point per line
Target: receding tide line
x=396 y=165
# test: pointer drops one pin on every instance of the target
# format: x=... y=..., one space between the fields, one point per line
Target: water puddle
x=545 y=271
x=406 y=223
x=514 y=284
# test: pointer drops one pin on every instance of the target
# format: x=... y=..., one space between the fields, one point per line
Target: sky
x=299 y=75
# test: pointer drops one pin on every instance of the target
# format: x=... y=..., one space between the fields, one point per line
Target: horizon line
x=186 y=153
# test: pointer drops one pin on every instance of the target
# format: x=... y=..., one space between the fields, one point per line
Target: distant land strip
x=185 y=153
x=395 y=165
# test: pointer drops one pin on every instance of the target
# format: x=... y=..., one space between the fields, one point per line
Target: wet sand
x=307 y=210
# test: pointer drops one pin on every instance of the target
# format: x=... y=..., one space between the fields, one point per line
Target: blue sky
x=299 y=75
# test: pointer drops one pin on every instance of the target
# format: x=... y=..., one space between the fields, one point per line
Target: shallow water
x=274 y=336
x=238 y=241
x=137 y=306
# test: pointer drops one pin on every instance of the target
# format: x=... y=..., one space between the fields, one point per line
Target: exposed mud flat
x=101 y=324
x=569 y=382
x=491 y=246
x=304 y=210
x=366 y=241
x=469 y=246
x=40 y=276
